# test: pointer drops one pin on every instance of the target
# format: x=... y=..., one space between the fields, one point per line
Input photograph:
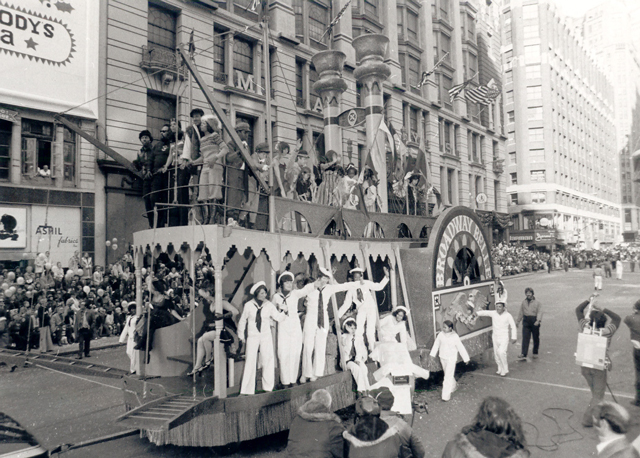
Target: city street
x=61 y=408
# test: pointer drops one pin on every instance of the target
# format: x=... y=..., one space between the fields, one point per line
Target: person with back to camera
x=316 y=432
x=633 y=322
x=496 y=432
x=611 y=422
x=595 y=320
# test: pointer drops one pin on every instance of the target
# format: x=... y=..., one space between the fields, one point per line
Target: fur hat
x=145 y=133
x=196 y=111
x=323 y=397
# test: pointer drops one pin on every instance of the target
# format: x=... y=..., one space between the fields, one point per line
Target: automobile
x=17 y=442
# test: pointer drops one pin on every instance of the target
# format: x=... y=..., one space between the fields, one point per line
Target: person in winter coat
x=128 y=336
x=409 y=441
x=316 y=432
x=448 y=344
x=496 y=432
x=611 y=421
x=371 y=436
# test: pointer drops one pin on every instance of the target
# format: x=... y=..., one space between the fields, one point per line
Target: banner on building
x=59 y=38
x=13 y=227
x=57 y=231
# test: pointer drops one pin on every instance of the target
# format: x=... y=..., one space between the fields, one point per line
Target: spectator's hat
x=262 y=147
x=145 y=133
x=285 y=276
x=303 y=153
x=367 y=406
x=257 y=286
x=243 y=126
x=357 y=270
x=196 y=111
x=323 y=397
x=347 y=321
x=384 y=396
x=325 y=272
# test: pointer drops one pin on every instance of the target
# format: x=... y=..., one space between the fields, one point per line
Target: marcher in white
x=128 y=336
x=289 y=329
x=355 y=354
x=316 y=324
x=256 y=318
x=619 y=269
x=366 y=306
x=448 y=344
x=502 y=321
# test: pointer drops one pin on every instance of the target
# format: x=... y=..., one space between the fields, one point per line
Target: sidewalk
x=97 y=344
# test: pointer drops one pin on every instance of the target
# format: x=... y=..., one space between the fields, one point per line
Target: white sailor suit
x=366 y=307
x=257 y=320
x=290 y=333
x=356 y=355
x=316 y=329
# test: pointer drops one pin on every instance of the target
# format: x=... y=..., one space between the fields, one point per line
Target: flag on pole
x=458 y=88
x=425 y=75
x=336 y=19
x=483 y=95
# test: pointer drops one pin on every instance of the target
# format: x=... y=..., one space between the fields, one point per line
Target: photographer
x=595 y=320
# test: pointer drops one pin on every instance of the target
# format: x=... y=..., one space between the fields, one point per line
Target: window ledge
x=288 y=39
x=316 y=114
x=451 y=156
x=252 y=95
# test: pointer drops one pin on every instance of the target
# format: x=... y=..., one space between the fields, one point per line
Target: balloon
x=41 y=256
x=11 y=276
x=143 y=271
x=48 y=266
x=54 y=269
x=5 y=285
x=100 y=292
x=29 y=294
x=69 y=273
x=108 y=243
x=8 y=293
x=115 y=240
x=12 y=289
x=114 y=246
x=20 y=281
x=86 y=289
x=30 y=287
x=79 y=272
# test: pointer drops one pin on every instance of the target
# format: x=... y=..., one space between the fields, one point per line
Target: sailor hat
x=357 y=270
x=285 y=275
x=255 y=287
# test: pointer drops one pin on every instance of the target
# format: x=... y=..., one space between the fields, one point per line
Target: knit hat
x=145 y=133
x=243 y=126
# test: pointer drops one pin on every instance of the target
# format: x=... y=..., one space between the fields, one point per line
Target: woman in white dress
x=393 y=325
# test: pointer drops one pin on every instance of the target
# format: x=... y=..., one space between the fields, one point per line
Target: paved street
x=67 y=408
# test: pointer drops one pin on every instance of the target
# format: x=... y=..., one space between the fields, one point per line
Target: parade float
x=440 y=269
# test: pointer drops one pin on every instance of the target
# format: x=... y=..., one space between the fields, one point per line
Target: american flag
x=458 y=88
x=336 y=19
x=483 y=95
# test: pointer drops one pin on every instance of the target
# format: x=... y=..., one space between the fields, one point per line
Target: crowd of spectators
x=517 y=259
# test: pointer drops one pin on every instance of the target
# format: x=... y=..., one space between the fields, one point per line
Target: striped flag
x=458 y=88
x=336 y=19
x=425 y=75
x=483 y=95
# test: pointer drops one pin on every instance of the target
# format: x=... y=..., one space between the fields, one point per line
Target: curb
x=98 y=440
x=104 y=347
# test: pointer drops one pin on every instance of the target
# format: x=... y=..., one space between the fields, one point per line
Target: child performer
x=448 y=344
x=289 y=329
x=257 y=314
x=356 y=354
x=128 y=336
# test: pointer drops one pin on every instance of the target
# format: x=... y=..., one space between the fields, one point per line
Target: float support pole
x=219 y=356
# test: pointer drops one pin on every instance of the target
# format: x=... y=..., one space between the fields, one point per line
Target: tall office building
x=608 y=32
x=562 y=158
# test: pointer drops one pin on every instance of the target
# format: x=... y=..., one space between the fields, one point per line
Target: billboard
x=57 y=38
x=13 y=227
x=57 y=230
x=458 y=304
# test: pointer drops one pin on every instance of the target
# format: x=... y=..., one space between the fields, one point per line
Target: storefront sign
x=8 y=115
x=32 y=35
x=545 y=236
x=57 y=231
x=56 y=37
x=13 y=227
x=520 y=238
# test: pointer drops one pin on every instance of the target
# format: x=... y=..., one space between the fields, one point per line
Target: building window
x=511 y=116
x=514 y=178
x=474 y=147
x=515 y=220
x=412 y=27
x=534 y=92
x=513 y=158
x=5 y=149
x=37 y=146
x=530 y=32
x=532 y=54
x=242 y=58
x=536 y=155
x=536 y=135
x=539 y=197
x=534 y=113
x=414 y=70
x=318 y=22
x=533 y=72
x=298 y=11
x=509 y=97
x=496 y=194
x=413 y=124
x=538 y=176
x=444 y=93
x=508 y=79
x=450 y=185
x=444 y=9
x=160 y=110
x=371 y=8
x=300 y=102
x=161 y=28
x=513 y=199
x=445 y=47
x=530 y=11
x=218 y=57
x=313 y=77
x=447 y=137
x=69 y=152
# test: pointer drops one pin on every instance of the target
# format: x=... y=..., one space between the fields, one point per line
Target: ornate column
x=371 y=72
x=330 y=87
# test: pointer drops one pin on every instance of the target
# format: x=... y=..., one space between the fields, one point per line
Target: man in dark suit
x=84 y=321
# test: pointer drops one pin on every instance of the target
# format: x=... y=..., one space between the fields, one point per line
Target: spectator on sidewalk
x=633 y=323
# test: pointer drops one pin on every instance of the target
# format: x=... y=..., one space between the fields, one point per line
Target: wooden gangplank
x=162 y=413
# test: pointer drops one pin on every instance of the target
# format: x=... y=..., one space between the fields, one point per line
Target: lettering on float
x=461 y=223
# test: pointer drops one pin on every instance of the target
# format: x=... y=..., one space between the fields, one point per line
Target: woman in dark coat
x=316 y=432
x=496 y=433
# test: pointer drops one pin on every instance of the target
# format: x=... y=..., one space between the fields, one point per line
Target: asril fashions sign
x=49 y=54
x=57 y=230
